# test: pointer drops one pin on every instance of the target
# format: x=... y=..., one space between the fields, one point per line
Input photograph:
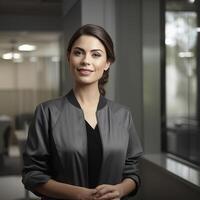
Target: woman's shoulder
x=51 y=109
x=54 y=104
x=117 y=107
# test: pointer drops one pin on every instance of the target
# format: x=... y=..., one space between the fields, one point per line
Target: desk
x=6 y=125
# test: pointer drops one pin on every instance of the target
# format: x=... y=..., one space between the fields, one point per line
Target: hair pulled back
x=104 y=37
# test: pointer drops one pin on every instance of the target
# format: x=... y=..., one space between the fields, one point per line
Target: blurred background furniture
x=6 y=126
x=23 y=119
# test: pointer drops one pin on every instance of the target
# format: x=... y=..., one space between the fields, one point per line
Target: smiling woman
x=83 y=145
x=88 y=60
x=102 y=39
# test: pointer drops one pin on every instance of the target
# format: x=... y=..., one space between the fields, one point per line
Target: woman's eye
x=96 y=55
x=77 y=53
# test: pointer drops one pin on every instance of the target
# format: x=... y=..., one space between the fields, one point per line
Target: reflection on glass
x=184 y=171
x=183 y=135
x=181 y=63
x=25 y=81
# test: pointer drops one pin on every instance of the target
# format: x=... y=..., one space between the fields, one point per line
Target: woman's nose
x=85 y=60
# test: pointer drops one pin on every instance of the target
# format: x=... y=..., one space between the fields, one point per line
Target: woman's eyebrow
x=97 y=50
x=81 y=49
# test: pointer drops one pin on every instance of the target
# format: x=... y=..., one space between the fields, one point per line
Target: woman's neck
x=87 y=95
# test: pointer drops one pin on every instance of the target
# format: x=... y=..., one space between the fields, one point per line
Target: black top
x=94 y=154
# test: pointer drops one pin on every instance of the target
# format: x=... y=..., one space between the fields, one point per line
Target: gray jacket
x=56 y=147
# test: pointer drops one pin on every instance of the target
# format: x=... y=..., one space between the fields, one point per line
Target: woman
x=82 y=145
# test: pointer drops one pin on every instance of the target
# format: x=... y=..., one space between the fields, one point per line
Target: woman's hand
x=108 y=192
x=86 y=194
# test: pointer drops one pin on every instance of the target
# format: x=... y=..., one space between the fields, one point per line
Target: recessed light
x=27 y=47
x=11 y=55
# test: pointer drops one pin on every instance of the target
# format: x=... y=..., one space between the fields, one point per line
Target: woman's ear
x=107 y=66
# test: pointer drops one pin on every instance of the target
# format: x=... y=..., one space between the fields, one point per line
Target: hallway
x=156 y=75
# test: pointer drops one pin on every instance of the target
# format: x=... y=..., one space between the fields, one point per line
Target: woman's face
x=88 y=60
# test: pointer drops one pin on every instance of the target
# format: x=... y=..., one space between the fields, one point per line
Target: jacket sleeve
x=36 y=155
x=134 y=152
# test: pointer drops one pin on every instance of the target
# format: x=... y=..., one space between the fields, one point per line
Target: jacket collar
x=72 y=99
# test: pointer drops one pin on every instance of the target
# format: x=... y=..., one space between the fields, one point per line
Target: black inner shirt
x=94 y=154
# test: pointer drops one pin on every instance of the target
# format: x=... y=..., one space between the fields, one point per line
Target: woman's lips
x=85 y=72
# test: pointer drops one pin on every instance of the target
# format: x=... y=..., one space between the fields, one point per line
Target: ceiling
x=182 y=5
x=31 y=7
x=46 y=42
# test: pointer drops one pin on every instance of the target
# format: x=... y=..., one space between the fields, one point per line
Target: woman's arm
x=134 y=152
x=126 y=186
x=131 y=181
x=37 y=169
x=60 y=190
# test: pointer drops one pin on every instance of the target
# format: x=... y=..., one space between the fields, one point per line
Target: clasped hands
x=103 y=192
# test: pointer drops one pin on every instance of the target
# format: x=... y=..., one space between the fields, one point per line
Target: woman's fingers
x=101 y=187
x=107 y=192
x=104 y=190
x=109 y=196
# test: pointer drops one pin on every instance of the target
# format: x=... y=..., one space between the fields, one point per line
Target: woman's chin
x=85 y=82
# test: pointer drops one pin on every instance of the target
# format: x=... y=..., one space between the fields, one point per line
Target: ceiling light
x=27 y=47
x=7 y=56
x=198 y=29
x=11 y=55
x=191 y=1
x=186 y=54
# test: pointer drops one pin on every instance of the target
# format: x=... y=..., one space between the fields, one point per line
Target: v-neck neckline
x=90 y=125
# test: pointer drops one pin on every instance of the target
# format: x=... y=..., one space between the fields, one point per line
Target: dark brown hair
x=104 y=37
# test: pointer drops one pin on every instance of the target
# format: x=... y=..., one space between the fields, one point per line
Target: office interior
x=156 y=74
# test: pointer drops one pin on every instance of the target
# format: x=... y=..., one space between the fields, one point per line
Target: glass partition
x=181 y=81
x=29 y=75
x=29 y=70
